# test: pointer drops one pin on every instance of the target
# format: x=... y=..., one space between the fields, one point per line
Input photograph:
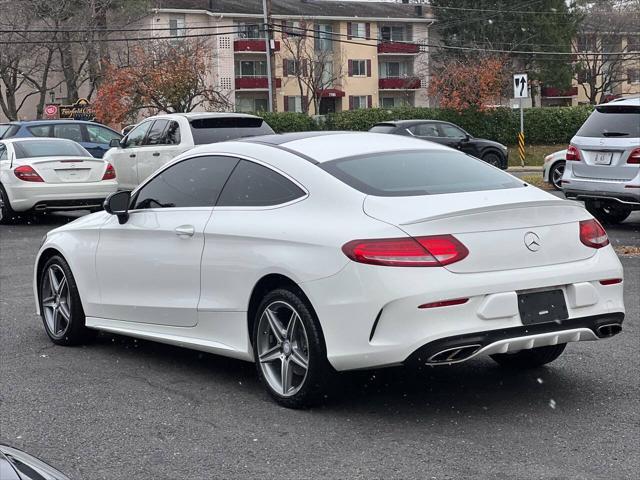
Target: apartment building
x=353 y=54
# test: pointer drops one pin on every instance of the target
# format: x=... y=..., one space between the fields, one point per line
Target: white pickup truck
x=158 y=139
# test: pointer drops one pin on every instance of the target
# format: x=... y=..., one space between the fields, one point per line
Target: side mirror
x=118 y=204
x=115 y=143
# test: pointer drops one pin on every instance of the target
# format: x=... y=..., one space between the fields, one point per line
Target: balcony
x=552 y=92
x=396 y=48
x=407 y=83
x=252 y=45
x=255 y=83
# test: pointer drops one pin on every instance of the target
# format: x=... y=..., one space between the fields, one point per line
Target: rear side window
x=40 y=130
x=612 y=121
x=8 y=131
x=382 y=128
x=53 y=148
x=418 y=172
x=253 y=185
x=70 y=131
x=195 y=182
x=212 y=130
x=172 y=134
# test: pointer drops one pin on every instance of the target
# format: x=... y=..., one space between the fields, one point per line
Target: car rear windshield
x=212 y=130
x=612 y=121
x=382 y=128
x=8 y=131
x=49 y=148
x=418 y=172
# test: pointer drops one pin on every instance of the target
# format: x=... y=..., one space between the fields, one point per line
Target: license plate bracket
x=603 y=158
x=542 y=307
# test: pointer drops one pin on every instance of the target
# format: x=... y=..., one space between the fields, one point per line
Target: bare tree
x=601 y=58
x=311 y=60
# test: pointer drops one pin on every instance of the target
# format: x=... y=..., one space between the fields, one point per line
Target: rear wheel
x=555 y=175
x=493 y=158
x=60 y=306
x=7 y=214
x=532 y=358
x=608 y=213
x=290 y=355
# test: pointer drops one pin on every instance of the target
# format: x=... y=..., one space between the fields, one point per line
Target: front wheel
x=7 y=214
x=290 y=355
x=535 y=357
x=608 y=213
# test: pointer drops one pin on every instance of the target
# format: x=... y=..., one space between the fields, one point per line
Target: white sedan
x=46 y=174
x=314 y=252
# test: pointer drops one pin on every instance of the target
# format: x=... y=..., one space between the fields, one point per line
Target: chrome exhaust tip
x=453 y=355
x=608 y=330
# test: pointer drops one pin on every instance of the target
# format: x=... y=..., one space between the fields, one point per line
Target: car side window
x=156 y=134
x=425 y=130
x=40 y=130
x=194 y=182
x=450 y=131
x=253 y=185
x=3 y=153
x=136 y=136
x=70 y=131
x=172 y=134
x=98 y=134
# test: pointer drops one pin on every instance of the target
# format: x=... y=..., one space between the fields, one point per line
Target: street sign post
x=520 y=91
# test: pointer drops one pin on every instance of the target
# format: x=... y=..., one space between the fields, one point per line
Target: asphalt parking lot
x=121 y=408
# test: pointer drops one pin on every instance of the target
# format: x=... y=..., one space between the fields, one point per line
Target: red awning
x=331 y=93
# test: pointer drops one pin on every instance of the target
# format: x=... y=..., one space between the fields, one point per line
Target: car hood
x=18 y=465
x=483 y=142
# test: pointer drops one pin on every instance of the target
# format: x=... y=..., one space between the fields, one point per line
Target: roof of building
x=305 y=8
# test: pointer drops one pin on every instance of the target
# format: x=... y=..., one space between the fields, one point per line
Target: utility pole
x=270 y=45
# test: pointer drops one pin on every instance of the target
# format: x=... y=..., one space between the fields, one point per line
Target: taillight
x=573 y=154
x=433 y=251
x=611 y=281
x=27 y=174
x=109 y=173
x=445 y=303
x=592 y=234
x=634 y=156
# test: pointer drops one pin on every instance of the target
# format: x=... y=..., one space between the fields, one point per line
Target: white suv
x=159 y=139
x=603 y=161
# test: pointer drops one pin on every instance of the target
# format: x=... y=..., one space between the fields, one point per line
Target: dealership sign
x=81 y=110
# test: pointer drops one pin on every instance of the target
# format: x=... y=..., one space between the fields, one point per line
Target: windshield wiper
x=615 y=134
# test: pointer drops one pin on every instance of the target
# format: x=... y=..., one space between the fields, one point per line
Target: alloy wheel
x=282 y=348
x=556 y=176
x=56 y=301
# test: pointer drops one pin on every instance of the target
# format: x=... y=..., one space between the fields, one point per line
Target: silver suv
x=603 y=161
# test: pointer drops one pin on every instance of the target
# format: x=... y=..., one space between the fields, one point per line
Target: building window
x=394 y=69
x=633 y=43
x=176 y=26
x=633 y=75
x=250 y=30
x=293 y=104
x=252 y=68
x=395 y=102
x=324 y=35
x=293 y=28
x=358 y=102
x=291 y=67
x=586 y=43
x=359 y=30
x=582 y=76
x=251 y=104
x=387 y=102
x=393 y=33
x=359 y=68
x=326 y=73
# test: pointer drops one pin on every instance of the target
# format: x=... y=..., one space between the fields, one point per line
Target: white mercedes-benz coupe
x=314 y=252
x=45 y=174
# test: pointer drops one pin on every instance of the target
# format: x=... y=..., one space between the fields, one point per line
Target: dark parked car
x=17 y=465
x=91 y=135
x=448 y=134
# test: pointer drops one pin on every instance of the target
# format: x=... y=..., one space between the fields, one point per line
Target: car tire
x=493 y=158
x=555 y=175
x=611 y=214
x=532 y=358
x=60 y=305
x=7 y=214
x=282 y=350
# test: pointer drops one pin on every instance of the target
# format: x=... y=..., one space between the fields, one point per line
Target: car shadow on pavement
x=475 y=387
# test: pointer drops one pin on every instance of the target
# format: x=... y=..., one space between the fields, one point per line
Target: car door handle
x=156 y=154
x=185 y=230
x=133 y=155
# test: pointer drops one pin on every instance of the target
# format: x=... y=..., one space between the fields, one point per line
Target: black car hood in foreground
x=17 y=465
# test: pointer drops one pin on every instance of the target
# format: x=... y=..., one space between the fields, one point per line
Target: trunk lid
x=68 y=169
x=496 y=226
x=605 y=158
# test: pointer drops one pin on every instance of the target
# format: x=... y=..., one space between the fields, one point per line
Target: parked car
x=18 y=465
x=553 y=168
x=159 y=139
x=94 y=137
x=603 y=161
x=314 y=251
x=46 y=174
x=450 y=135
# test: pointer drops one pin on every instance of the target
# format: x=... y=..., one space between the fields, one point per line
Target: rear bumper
x=619 y=191
x=622 y=197
x=68 y=196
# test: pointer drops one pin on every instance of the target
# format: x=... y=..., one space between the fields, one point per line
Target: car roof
x=198 y=115
x=416 y=121
x=629 y=101
x=35 y=139
x=326 y=146
x=47 y=122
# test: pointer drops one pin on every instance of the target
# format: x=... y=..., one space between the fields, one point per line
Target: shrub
x=283 y=122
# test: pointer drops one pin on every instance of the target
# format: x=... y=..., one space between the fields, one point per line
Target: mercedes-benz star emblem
x=532 y=241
